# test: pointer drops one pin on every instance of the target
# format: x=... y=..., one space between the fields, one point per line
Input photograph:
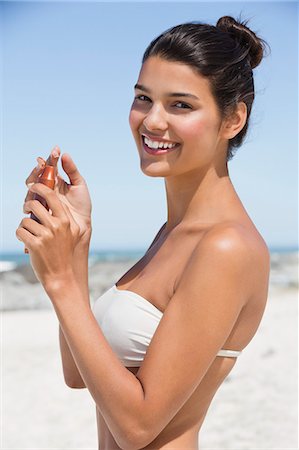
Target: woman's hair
x=225 y=54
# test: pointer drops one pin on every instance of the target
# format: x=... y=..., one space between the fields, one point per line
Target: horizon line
x=272 y=248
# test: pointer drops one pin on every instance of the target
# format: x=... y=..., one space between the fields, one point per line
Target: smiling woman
x=157 y=345
x=224 y=55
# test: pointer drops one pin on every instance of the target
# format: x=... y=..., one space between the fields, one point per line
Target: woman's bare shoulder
x=246 y=241
x=234 y=233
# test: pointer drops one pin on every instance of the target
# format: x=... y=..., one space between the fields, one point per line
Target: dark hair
x=225 y=54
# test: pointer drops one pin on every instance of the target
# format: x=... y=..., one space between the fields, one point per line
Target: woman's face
x=173 y=103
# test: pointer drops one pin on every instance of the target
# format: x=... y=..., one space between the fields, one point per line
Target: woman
x=157 y=345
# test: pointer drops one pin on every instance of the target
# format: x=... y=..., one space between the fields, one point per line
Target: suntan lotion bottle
x=46 y=177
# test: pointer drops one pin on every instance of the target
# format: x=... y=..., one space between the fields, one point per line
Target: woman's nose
x=155 y=119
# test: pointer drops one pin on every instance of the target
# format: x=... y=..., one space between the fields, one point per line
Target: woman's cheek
x=135 y=121
x=202 y=125
x=199 y=134
x=193 y=129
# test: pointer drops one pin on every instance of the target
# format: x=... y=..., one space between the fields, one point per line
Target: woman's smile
x=172 y=139
x=158 y=147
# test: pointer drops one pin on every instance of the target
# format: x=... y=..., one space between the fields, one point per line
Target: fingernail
x=55 y=151
x=40 y=162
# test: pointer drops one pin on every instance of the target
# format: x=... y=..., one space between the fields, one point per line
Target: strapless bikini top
x=128 y=322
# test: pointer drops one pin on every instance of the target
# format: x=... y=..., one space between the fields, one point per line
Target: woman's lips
x=158 y=151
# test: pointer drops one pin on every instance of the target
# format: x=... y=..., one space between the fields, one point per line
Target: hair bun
x=245 y=37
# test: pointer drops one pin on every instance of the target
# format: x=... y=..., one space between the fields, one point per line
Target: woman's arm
x=214 y=287
x=71 y=373
x=74 y=195
x=116 y=391
x=137 y=408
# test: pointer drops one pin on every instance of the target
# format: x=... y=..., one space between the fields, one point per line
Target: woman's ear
x=235 y=122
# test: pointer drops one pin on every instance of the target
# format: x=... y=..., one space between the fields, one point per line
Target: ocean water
x=11 y=260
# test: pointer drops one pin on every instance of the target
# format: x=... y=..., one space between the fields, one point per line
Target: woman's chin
x=155 y=169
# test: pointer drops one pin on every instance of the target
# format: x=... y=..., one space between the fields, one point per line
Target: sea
x=11 y=260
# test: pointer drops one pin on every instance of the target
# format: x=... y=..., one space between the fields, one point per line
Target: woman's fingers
x=73 y=224
x=31 y=225
x=31 y=206
x=54 y=156
x=25 y=236
x=33 y=176
x=36 y=172
x=60 y=185
x=39 y=211
x=52 y=201
x=52 y=160
x=71 y=170
x=27 y=230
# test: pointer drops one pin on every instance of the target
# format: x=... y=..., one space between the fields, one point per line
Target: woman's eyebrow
x=169 y=94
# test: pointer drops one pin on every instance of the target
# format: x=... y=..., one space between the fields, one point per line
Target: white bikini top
x=128 y=322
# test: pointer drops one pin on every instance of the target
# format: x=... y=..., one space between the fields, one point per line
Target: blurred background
x=67 y=76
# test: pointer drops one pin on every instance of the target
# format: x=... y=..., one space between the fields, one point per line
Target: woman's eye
x=139 y=97
x=144 y=98
x=184 y=105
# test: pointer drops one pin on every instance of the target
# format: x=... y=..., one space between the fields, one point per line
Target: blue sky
x=68 y=71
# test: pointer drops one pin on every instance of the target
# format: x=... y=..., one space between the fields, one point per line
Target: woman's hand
x=51 y=243
x=74 y=195
x=74 y=198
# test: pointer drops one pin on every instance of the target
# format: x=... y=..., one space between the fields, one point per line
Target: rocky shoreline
x=22 y=291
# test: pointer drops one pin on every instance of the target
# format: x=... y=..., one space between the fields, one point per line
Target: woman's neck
x=195 y=197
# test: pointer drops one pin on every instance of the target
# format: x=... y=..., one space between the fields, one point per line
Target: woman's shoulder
x=239 y=241
x=234 y=234
x=235 y=249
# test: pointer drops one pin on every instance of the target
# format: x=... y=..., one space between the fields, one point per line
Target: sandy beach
x=255 y=408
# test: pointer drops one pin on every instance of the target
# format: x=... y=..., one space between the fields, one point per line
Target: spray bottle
x=46 y=177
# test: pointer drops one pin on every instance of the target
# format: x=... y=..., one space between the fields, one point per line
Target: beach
x=255 y=408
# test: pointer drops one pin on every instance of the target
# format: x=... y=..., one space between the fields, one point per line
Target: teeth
x=156 y=144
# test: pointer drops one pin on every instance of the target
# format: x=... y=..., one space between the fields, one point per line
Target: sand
x=255 y=408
